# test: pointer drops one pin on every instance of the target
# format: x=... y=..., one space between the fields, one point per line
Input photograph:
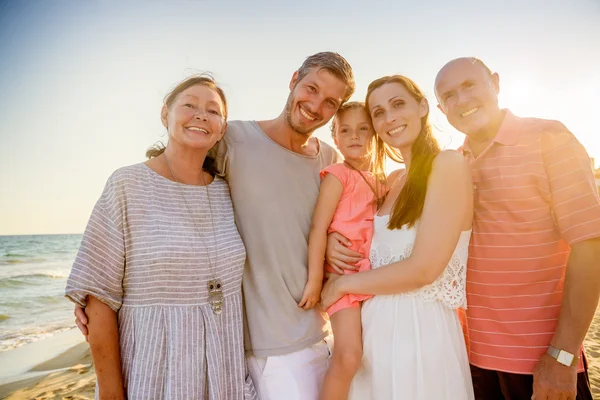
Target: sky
x=82 y=82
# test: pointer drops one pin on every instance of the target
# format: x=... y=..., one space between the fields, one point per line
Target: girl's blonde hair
x=374 y=167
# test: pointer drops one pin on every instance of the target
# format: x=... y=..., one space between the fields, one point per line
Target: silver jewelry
x=214 y=286
x=562 y=356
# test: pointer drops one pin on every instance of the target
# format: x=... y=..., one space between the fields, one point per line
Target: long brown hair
x=408 y=207
x=207 y=80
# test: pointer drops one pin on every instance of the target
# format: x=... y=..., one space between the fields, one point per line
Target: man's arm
x=576 y=206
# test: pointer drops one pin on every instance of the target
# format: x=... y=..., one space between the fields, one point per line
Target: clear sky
x=82 y=82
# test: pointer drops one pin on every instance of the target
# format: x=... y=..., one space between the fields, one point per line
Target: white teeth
x=305 y=115
x=397 y=130
x=471 y=111
x=193 y=128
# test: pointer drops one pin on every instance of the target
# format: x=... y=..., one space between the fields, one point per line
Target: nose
x=201 y=115
x=390 y=118
x=461 y=98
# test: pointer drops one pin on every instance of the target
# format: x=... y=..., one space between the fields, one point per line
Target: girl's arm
x=448 y=206
x=104 y=344
x=329 y=197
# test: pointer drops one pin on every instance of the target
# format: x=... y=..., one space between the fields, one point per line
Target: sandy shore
x=61 y=368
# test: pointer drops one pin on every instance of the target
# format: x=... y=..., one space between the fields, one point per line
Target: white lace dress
x=412 y=342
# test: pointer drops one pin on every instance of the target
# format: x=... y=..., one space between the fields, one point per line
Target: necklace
x=378 y=198
x=215 y=287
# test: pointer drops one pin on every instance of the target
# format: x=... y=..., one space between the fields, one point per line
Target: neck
x=186 y=163
x=362 y=164
x=281 y=132
x=406 y=154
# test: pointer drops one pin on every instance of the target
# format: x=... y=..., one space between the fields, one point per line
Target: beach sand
x=69 y=374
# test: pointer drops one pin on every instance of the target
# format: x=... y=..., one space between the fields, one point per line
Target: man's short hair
x=334 y=63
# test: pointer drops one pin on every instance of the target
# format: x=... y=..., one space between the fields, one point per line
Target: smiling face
x=196 y=118
x=467 y=93
x=313 y=100
x=353 y=134
x=396 y=114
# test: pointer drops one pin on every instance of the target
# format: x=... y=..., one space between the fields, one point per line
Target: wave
x=17 y=281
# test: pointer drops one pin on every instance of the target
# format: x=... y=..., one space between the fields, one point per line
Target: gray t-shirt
x=274 y=193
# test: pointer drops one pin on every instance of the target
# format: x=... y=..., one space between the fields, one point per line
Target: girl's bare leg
x=347 y=354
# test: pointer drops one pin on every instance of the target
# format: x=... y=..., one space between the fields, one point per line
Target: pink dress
x=353 y=218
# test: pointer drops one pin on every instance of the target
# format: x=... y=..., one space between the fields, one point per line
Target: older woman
x=160 y=266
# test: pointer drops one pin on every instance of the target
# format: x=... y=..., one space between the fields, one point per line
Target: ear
x=336 y=142
x=293 y=81
x=423 y=107
x=164 y=114
x=496 y=82
x=225 y=125
x=441 y=109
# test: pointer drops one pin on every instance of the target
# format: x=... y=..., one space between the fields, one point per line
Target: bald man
x=533 y=280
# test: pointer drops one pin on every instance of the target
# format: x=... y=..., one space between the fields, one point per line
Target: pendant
x=215 y=295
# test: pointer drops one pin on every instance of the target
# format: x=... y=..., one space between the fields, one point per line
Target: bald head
x=472 y=63
x=467 y=93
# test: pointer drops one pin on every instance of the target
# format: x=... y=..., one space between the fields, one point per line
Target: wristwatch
x=564 y=357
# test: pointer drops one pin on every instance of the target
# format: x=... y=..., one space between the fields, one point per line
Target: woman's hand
x=331 y=291
x=311 y=295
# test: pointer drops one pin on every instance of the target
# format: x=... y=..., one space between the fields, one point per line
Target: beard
x=298 y=128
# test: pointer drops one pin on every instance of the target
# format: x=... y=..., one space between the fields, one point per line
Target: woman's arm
x=329 y=196
x=104 y=344
x=448 y=205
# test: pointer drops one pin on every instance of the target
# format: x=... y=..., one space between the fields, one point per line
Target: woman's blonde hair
x=204 y=80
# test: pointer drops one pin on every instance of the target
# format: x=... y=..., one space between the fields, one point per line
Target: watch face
x=565 y=358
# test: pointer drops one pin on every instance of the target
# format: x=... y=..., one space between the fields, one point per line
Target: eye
x=312 y=89
x=188 y=105
x=448 y=96
x=364 y=128
x=398 y=103
x=469 y=85
x=343 y=130
x=214 y=112
x=377 y=113
x=332 y=104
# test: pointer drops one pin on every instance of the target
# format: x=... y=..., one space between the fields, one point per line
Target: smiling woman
x=170 y=221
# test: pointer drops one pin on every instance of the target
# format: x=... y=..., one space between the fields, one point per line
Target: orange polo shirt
x=535 y=196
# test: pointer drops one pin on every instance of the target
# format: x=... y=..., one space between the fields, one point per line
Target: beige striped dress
x=143 y=255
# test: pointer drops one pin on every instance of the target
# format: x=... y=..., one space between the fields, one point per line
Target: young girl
x=348 y=199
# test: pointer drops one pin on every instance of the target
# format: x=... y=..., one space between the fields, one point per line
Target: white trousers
x=294 y=376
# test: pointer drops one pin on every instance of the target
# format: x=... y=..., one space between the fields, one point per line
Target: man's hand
x=81 y=320
x=339 y=256
x=554 y=381
x=311 y=295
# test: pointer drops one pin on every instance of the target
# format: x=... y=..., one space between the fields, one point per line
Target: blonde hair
x=378 y=173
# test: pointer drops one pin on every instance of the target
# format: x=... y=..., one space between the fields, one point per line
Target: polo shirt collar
x=508 y=133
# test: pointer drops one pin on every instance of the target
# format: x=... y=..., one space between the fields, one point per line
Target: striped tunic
x=535 y=196
x=145 y=256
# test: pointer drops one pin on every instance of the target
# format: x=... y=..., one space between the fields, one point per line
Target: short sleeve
x=100 y=263
x=574 y=193
x=339 y=171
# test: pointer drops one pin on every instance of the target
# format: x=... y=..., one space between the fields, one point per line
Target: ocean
x=33 y=275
